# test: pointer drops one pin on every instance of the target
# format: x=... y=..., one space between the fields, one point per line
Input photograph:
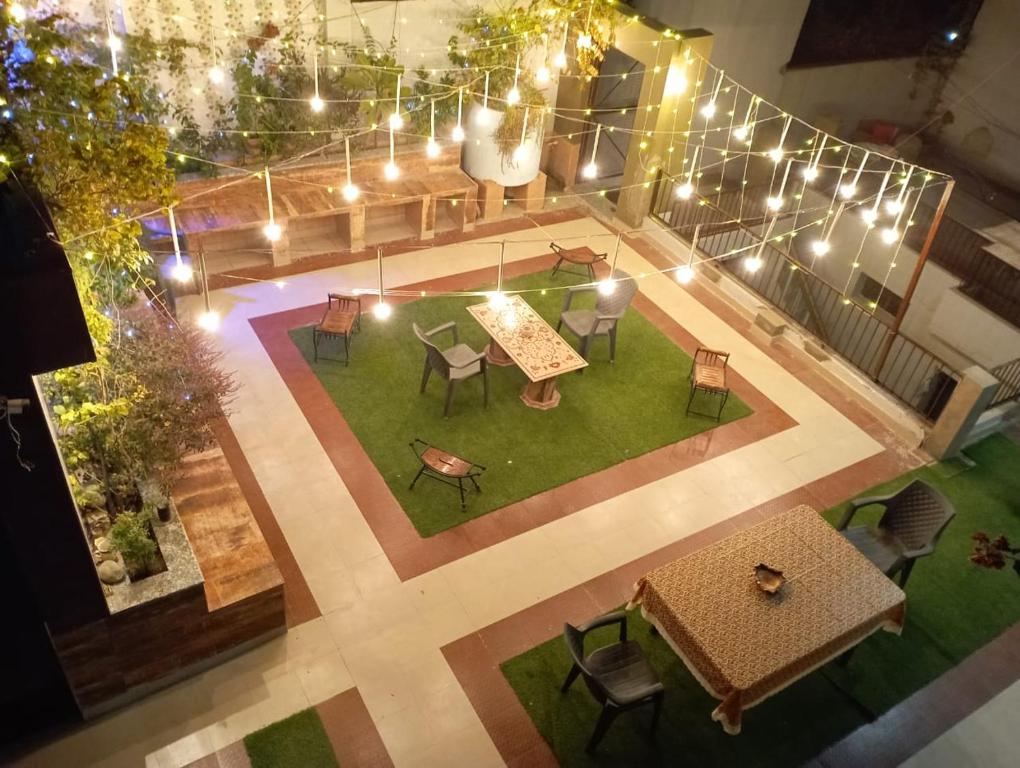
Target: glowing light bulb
x=741 y=132
x=584 y=40
x=776 y=154
x=708 y=111
x=458 y=133
x=542 y=75
x=810 y=173
x=847 y=191
x=216 y=75
x=607 y=287
x=685 y=274
x=432 y=148
x=482 y=117
x=590 y=171
x=497 y=299
x=519 y=153
x=17 y=12
x=209 y=321
x=513 y=95
x=774 y=203
x=272 y=231
x=350 y=192
x=182 y=273
x=391 y=171
x=685 y=190
x=890 y=235
x=869 y=215
x=316 y=103
x=560 y=60
x=676 y=82
x=396 y=121
x=820 y=247
x=752 y=263
x=382 y=310
x=893 y=206
x=115 y=43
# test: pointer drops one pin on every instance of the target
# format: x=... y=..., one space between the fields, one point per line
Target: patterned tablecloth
x=530 y=341
x=744 y=645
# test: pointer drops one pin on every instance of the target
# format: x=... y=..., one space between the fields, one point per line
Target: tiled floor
x=376 y=611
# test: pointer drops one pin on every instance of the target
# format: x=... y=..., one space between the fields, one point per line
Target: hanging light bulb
x=890 y=235
x=396 y=121
x=591 y=170
x=316 y=103
x=390 y=170
x=607 y=287
x=560 y=60
x=209 y=320
x=846 y=191
x=820 y=247
x=514 y=94
x=708 y=111
x=272 y=230
x=740 y=132
x=350 y=190
x=216 y=75
x=684 y=274
x=584 y=40
x=869 y=215
x=382 y=310
x=685 y=190
x=482 y=118
x=774 y=203
x=115 y=43
x=676 y=82
x=17 y=12
x=775 y=154
x=753 y=263
x=496 y=299
x=542 y=75
x=894 y=206
x=458 y=130
x=810 y=173
x=432 y=148
x=182 y=272
x=520 y=151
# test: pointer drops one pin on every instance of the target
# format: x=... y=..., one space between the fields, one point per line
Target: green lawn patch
x=953 y=608
x=610 y=413
x=298 y=741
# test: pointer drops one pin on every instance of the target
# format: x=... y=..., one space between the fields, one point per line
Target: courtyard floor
x=385 y=625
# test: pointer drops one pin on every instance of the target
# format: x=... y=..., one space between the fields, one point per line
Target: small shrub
x=130 y=535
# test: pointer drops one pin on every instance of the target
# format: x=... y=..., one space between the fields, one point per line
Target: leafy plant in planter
x=374 y=77
x=129 y=535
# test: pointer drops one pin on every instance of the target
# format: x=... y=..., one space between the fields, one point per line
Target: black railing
x=1008 y=375
x=910 y=372
x=989 y=281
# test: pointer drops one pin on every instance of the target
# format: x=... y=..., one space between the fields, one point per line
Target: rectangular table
x=519 y=336
x=743 y=645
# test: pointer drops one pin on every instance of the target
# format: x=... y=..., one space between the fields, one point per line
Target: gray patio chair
x=454 y=364
x=618 y=675
x=586 y=324
x=914 y=519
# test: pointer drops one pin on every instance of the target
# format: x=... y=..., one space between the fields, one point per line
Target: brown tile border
x=475 y=659
x=355 y=739
x=299 y=604
x=408 y=552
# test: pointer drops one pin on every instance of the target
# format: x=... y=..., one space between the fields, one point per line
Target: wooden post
x=922 y=258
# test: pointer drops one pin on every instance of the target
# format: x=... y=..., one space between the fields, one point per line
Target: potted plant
x=129 y=535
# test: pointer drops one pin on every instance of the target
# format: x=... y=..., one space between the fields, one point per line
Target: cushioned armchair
x=586 y=324
x=914 y=519
x=618 y=676
x=454 y=364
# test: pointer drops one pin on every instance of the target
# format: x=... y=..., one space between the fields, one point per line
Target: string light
x=181 y=272
x=754 y=262
x=17 y=12
x=870 y=215
x=432 y=148
x=114 y=43
x=685 y=273
x=608 y=286
x=591 y=170
x=847 y=191
x=381 y=310
x=520 y=150
x=316 y=102
x=350 y=190
x=458 y=130
x=743 y=131
x=895 y=207
x=685 y=190
x=676 y=81
x=390 y=170
x=514 y=94
x=542 y=74
x=775 y=203
x=272 y=230
x=560 y=60
x=483 y=114
x=776 y=154
x=497 y=299
x=396 y=121
x=209 y=321
x=708 y=111
x=811 y=169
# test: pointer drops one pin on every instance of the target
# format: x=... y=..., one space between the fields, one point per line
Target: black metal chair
x=583 y=257
x=914 y=519
x=618 y=675
x=446 y=468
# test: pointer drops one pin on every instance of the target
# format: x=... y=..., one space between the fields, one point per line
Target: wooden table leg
x=542 y=395
x=496 y=355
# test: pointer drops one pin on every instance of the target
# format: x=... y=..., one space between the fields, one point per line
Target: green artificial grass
x=298 y=741
x=953 y=608
x=610 y=413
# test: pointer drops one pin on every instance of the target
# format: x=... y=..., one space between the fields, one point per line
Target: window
x=844 y=31
x=871 y=290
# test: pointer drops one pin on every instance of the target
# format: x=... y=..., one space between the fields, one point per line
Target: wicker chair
x=914 y=519
x=341 y=320
x=586 y=324
x=454 y=364
x=708 y=374
x=618 y=675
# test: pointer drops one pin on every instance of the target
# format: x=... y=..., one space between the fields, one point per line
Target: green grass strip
x=298 y=741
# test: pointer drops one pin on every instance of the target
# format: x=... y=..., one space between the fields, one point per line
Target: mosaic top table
x=519 y=336
x=744 y=645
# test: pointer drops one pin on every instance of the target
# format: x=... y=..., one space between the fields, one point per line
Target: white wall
x=986 y=131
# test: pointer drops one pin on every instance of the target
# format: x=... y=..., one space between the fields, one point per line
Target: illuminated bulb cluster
x=607 y=287
x=774 y=203
x=350 y=192
x=676 y=82
x=810 y=173
x=584 y=40
x=382 y=310
x=391 y=171
x=542 y=75
x=115 y=43
x=458 y=133
x=776 y=154
x=216 y=75
x=432 y=148
x=560 y=60
x=316 y=103
x=847 y=191
x=272 y=231
x=752 y=263
x=685 y=274
x=708 y=111
x=590 y=171
x=893 y=206
x=209 y=320
x=685 y=190
x=890 y=235
x=869 y=215
x=396 y=121
x=820 y=247
x=741 y=132
x=497 y=299
x=513 y=96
